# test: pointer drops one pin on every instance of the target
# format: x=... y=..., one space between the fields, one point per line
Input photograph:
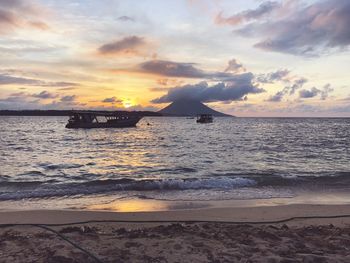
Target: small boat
x=89 y=119
x=205 y=118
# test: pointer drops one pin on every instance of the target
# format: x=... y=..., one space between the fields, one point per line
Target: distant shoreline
x=64 y=113
x=67 y=113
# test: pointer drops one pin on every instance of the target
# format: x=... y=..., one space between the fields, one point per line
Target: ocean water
x=173 y=159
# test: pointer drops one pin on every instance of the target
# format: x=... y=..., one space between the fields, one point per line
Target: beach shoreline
x=245 y=214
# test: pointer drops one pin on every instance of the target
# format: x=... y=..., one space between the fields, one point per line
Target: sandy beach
x=231 y=234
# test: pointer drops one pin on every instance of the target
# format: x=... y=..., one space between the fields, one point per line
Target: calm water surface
x=173 y=158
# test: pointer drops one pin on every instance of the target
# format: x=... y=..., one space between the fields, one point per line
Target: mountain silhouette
x=190 y=108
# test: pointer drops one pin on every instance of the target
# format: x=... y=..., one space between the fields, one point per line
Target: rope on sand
x=47 y=226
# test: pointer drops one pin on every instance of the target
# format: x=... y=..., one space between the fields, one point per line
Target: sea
x=44 y=165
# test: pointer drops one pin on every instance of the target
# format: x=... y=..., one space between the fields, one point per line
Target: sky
x=243 y=57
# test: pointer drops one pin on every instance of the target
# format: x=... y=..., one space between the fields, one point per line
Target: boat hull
x=206 y=121
x=111 y=124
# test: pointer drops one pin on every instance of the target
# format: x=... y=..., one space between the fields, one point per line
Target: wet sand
x=299 y=240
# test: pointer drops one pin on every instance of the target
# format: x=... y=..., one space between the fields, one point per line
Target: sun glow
x=127 y=103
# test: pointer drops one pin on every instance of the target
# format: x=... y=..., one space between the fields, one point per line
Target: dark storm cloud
x=222 y=91
x=180 y=70
x=245 y=16
x=127 y=45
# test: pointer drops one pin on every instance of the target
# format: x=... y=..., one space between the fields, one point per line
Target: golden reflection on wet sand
x=151 y=205
x=133 y=205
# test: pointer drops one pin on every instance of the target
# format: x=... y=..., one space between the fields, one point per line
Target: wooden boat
x=89 y=119
x=205 y=118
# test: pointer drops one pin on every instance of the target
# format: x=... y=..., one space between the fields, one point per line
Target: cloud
x=279 y=75
x=39 y=25
x=248 y=15
x=299 y=28
x=235 y=67
x=288 y=90
x=112 y=100
x=157 y=89
x=169 y=82
x=19 y=14
x=6 y=79
x=7 y=17
x=277 y=97
x=129 y=45
x=324 y=93
x=297 y=85
x=70 y=85
x=68 y=98
x=171 y=69
x=68 y=88
x=45 y=95
x=140 y=108
x=64 y=105
x=17 y=103
x=22 y=100
x=233 y=90
x=180 y=70
x=305 y=94
x=126 y=19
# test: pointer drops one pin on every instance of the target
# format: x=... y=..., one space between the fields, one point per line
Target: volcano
x=190 y=108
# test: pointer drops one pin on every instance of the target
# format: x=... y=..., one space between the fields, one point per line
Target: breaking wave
x=42 y=190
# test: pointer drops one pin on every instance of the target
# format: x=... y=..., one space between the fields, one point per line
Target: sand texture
x=299 y=240
x=199 y=242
